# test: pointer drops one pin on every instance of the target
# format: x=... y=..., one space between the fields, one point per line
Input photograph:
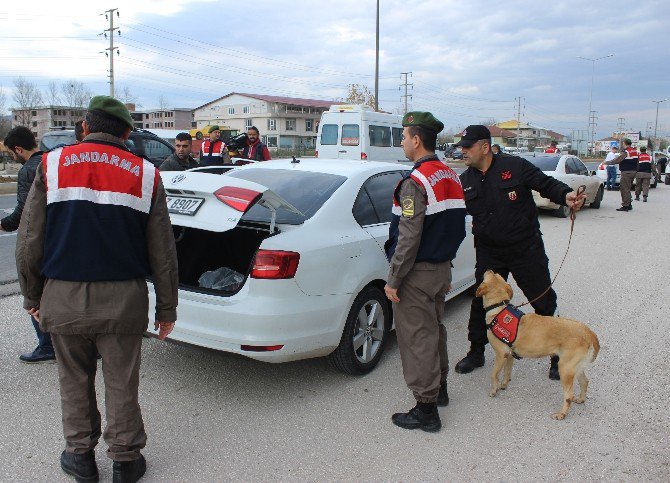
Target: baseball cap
x=472 y=134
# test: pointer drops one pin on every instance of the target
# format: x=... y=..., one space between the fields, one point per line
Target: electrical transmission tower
x=109 y=15
x=593 y=118
x=406 y=85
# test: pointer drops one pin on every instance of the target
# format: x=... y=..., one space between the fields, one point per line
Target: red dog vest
x=505 y=325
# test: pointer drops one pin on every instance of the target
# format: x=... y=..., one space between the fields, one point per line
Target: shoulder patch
x=407 y=204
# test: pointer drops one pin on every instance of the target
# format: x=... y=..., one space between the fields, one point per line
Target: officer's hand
x=575 y=201
x=391 y=293
x=164 y=329
x=35 y=313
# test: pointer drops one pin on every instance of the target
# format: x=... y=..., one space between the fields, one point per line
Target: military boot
x=473 y=360
x=423 y=416
x=553 y=369
x=129 y=471
x=644 y=199
x=443 y=395
x=81 y=466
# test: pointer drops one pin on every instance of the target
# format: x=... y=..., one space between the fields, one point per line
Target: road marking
x=8 y=234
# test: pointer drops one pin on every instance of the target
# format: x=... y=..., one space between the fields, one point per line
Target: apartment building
x=47 y=118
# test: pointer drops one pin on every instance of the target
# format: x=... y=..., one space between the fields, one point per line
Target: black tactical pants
x=528 y=264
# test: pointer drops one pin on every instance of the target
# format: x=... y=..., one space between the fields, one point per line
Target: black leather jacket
x=24 y=182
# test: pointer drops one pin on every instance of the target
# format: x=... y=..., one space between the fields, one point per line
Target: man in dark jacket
x=255 y=149
x=498 y=190
x=181 y=159
x=21 y=142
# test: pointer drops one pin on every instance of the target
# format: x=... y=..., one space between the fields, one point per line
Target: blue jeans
x=44 y=344
x=611 y=177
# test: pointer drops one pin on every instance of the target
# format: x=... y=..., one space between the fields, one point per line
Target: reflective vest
x=630 y=163
x=552 y=150
x=444 y=222
x=211 y=153
x=98 y=202
x=644 y=165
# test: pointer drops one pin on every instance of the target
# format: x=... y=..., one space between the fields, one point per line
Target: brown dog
x=539 y=336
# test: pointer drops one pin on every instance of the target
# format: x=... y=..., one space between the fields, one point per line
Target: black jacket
x=173 y=163
x=24 y=182
x=501 y=201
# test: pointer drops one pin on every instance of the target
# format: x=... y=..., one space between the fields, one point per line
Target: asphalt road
x=214 y=416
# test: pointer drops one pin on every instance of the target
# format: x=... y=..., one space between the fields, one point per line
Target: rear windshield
x=545 y=163
x=305 y=190
x=51 y=140
x=350 y=135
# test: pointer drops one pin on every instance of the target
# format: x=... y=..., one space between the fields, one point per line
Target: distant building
x=177 y=118
x=283 y=122
x=43 y=119
x=499 y=136
x=532 y=136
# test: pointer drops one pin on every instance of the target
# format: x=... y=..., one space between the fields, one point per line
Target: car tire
x=667 y=179
x=598 y=198
x=361 y=347
x=561 y=212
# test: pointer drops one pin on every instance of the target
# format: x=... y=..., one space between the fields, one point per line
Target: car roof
x=341 y=167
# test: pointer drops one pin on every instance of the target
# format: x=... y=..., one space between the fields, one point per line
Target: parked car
x=302 y=245
x=601 y=172
x=453 y=152
x=141 y=143
x=573 y=172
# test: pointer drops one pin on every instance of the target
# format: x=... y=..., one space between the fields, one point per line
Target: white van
x=358 y=132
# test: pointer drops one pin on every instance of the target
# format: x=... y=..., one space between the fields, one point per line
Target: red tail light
x=275 y=264
x=239 y=198
x=364 y=156
x=316 y=154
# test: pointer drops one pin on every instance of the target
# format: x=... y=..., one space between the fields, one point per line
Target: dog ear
x=509 y=290
x=481 y=289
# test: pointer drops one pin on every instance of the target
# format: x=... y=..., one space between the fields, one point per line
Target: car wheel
x=598 y=198
x=365 y=333
x=667 y=179
x=562 y=212
x=198 y=135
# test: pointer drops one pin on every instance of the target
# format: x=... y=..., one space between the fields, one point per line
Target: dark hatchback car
x=141 y=143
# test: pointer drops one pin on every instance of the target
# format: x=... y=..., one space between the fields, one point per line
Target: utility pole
x=518 y=120
x=591 y=132
x=656 y=124
x=377 y=62
x=406 y=85
x=109 y=15
x=621 y=126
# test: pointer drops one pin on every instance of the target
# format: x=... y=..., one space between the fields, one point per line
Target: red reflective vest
x=644 y=165
x=211 y=153
x=630 y=163
x=552 y=150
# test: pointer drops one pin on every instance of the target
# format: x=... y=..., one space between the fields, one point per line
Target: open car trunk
x=200 y=251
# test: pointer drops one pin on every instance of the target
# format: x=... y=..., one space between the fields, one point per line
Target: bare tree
x=163 y=103
x=76 y=95
x=26 y=98
x=359 y=94
x=126 y=96
x=52 y=95
x=5 y=124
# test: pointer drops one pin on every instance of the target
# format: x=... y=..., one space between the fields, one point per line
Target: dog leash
x=573 y=216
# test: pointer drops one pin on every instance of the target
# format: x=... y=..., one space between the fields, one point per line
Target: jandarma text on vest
x=443 y=174
x=96 y=157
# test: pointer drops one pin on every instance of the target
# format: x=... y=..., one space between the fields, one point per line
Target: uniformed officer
x=553 y=149
x=627 y=161
x=214 y=151
x=498 y=195
x=643 y=175
x=427 y=227
x=94 y=227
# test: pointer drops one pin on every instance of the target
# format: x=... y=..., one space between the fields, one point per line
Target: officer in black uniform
x=498 y=195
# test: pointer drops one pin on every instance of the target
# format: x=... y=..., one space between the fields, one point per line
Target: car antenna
x=295 y=161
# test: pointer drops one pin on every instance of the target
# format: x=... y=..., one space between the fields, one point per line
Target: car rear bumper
x=305 y=326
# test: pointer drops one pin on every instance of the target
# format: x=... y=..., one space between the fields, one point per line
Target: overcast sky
x=469 y=60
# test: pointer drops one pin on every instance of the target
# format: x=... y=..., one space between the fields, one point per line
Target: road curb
x=8 y=188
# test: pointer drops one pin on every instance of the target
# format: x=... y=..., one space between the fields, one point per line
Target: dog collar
x=499 y=304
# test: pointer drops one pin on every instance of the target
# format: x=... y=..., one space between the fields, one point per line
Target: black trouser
x=528 y=264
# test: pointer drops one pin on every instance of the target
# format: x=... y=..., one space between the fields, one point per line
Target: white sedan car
x=574 y=173
x=284 y=260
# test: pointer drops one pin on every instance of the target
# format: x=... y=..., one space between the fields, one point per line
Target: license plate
x=184 y=206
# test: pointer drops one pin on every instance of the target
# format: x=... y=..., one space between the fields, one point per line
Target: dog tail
x=595 y=345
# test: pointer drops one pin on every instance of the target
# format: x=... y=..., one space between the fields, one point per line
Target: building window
x=231 y=110
x=245 y=109
x=248 y=123
x=308 y=125
x=290 y=124
x=33 y=113
x=272 y=124
x=271 y=141
x=34 y=124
